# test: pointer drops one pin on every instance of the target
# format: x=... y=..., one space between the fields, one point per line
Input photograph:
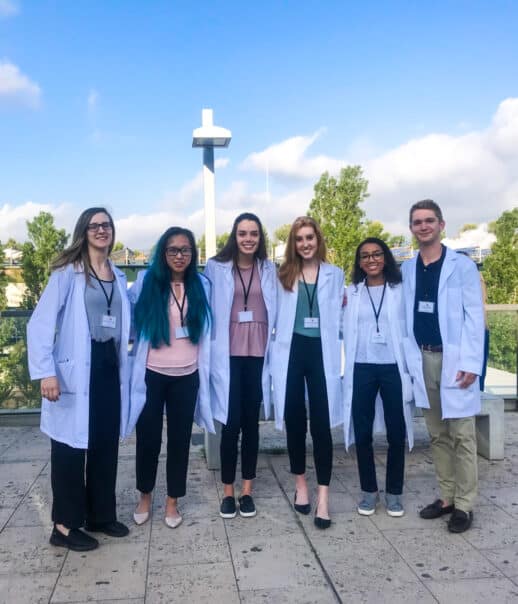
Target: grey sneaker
x=394 y=505
x=367 y=505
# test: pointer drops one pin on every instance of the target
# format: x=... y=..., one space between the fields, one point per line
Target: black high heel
x=321 y=523
x=301 y=508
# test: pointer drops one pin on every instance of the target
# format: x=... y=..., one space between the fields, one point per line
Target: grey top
x=303 y=310
x=97 y=306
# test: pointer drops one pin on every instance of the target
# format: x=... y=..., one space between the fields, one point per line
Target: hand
x=344 y=300
x=465 y=378
x=50 y=388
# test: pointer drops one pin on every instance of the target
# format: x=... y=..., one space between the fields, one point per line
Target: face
x=372 y=260
x=426 y=227
x=248 y=236
x=306 y=242
x=178 y=254
x=99 y=232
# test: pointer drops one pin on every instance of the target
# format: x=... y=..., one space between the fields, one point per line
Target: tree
x=118 y=246
x=220 y=243
x=45 y=241
x=469 y=226
x=3 y=279
x=336 y=206
x=280 y=235
x=501 y=266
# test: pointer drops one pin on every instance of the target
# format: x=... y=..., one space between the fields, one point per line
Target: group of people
x=211 y=347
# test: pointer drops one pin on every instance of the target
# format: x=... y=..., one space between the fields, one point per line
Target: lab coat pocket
x=450 y=366
x=65 y=375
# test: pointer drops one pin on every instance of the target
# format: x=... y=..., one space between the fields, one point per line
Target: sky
x=98 y=101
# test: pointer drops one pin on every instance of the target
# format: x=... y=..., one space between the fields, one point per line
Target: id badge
x=425 y=306
x=311 y=322
x=378 y=338
x=181 y=332
x=109 y=321
x=245 y=316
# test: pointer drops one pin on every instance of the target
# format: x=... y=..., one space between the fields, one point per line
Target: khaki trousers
x=453 y=442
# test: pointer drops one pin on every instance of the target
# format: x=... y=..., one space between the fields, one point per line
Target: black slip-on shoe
x=112 y=529
x=301 y=508
x=460 y=521
x=435 y=510
x=76 y=540
x=228 y=507
x=322 y=523
x=247 y=506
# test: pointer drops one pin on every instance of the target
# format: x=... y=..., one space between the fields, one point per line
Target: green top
x=303 y=311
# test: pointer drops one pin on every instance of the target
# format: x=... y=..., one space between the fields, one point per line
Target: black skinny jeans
x=244 y=403
x=179 y=394
x=306 y=365
x=369 y=378
x=78 y=496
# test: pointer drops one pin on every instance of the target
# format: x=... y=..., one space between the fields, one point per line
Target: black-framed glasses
x=378 y=255
x=95 y=226
x=172 y=252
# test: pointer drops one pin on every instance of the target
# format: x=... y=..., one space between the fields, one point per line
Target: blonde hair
x=291 y=268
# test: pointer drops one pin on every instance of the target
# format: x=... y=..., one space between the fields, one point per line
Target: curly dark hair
x=391 y=270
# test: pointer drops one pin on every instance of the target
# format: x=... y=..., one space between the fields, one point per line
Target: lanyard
x=246 y=290
x=108 y=299
x=180 y=308
x=377 y=312
x=311 y=298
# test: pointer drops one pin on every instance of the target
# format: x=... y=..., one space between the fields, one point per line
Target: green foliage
x=469 y=226
x=220 y=243
x=280 y=235
x=45 y=242
x=503 y=331
x=336 y=205
x=501 y=266
x=118 y=246
x=3 y=279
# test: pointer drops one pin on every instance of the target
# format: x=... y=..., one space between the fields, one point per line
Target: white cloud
x=479 y=237
x=92 y=101
x=17 y=88
x=288 y=159
x=8 y=8
x=13 y=218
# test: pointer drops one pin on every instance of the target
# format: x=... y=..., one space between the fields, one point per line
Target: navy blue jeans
x=368 y=380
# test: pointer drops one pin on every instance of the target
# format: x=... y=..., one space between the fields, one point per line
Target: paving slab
x=32 y=588
x=504 y=558
x=28 y=551
x=475 y=591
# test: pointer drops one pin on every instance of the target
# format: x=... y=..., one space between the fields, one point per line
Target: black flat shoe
x=435 y=510
x=76 y=540
x=460 y=521
x=112 y=529
x=301 y=508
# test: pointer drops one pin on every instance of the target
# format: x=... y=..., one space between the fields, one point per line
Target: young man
x=444 y=349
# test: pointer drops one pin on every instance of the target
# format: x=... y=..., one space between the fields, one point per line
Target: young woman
x=243 y=303
x=307 y=342
x=171 y=366
x=374 y=328
x=78 y=346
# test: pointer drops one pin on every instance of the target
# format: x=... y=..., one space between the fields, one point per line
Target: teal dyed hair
x=151 y=310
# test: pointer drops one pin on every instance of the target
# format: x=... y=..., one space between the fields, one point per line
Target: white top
x=371 y=349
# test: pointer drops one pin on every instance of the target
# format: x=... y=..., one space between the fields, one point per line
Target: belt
x=430 y=348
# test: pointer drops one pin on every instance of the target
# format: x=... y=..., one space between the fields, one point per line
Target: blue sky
x=98 y=101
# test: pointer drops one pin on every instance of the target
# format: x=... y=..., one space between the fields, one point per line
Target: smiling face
x=248 y=236
x=178 y=255
x=372 y=261
x=426 y=227
x=99 y=232
x=306 y=243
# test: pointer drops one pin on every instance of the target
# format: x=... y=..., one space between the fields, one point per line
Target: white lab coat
x=202 y=413
x=396 y=318
x=461 y=322
x=330 y=292
x=221 y=276
x=59 y=344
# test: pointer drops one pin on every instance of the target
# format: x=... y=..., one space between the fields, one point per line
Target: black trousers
x=368 y=379
x=244 y=403
x=179 y=394
x=80 y=496
x=306 y=365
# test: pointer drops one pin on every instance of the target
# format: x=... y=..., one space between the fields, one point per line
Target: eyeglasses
x=95 y=226
x=172 y=252
x=417 y=222
x=375 y=256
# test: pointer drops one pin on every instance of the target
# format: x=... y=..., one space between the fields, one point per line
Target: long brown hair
x=77 y=252
x=291 y=268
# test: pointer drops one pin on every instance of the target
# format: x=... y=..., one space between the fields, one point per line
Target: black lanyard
x=246 y=290
x=180 y=308
x=108 y=299
x=377 y=312
x=311 y=298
